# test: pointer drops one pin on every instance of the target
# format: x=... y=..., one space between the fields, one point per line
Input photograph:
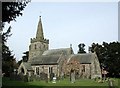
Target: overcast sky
x=65 y=23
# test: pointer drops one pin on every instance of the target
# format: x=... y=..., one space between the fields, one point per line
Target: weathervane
x=40 y=14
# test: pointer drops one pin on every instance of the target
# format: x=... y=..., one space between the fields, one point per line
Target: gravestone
x=54 y=80
x=51 y=76
x=62 y=76
x=111 y=83
x=72 y=76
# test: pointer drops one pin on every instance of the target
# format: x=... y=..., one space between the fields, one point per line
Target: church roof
x=64 y=51
x=45 y=60
x=85 y=58
x=27 y=65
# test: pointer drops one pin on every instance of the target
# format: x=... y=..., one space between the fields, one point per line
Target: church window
x=35 y=46
x=37 y=70
x=83 y=68
x=43 y=68
x=95 y=68
x=50 y=69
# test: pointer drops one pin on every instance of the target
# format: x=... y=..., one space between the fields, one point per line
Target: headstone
x=51 y=76
x=62 y=75
x=54 y=80
x=111 y=83
x=72 y=77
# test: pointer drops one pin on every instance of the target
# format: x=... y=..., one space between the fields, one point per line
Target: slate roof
x=45 y=60
x=84 y=58
x=64 y=51
x=27 y=65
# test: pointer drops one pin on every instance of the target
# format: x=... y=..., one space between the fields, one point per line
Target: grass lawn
x=0 y=81
x=65 y=82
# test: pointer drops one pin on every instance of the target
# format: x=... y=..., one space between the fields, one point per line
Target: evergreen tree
x=26 y=56
x=8 y=60
x=109 y=57
x=10 y=10
x=98 y=49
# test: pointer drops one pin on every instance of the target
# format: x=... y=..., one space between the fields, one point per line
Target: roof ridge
x=58 y=49
x=85 y=54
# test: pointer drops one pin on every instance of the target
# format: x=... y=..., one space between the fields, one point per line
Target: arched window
x=50 y=69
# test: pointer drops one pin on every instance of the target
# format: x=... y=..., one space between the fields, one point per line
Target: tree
x=113 y=59
x=26 y=56
x=81 y=48
x=8 y=60
x=10 y=10
x=19 y=62
x=109 y=57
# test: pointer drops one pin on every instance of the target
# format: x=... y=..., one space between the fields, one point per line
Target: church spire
x=39 y=34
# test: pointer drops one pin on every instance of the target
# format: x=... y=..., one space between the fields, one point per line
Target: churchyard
x=63 y=82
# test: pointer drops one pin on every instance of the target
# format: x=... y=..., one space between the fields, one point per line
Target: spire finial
x=40 y=14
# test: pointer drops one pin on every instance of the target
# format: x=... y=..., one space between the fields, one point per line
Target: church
x=58 y=61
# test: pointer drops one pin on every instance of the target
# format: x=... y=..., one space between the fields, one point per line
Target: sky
x=65 y=23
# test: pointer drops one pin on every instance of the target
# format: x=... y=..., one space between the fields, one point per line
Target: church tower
x=39 y=44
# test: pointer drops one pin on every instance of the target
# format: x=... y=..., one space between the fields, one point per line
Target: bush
x=25 y=78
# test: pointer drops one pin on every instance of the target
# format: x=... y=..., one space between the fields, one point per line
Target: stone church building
x=58 y=61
